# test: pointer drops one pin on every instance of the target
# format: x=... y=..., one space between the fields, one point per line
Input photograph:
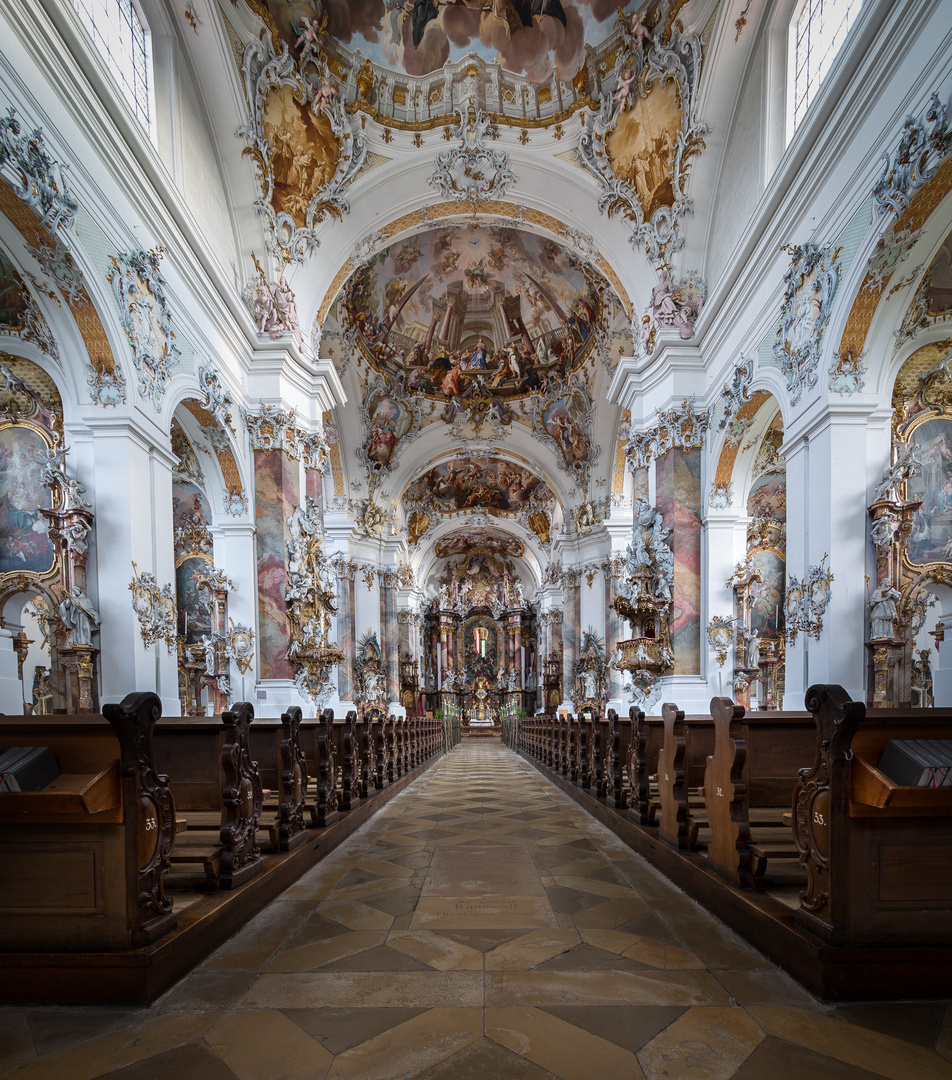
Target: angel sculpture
x=624 y=87
x=326 y=93
x=309 y=39
x=640 y=32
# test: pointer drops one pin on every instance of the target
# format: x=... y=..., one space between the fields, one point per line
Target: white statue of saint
x=77 y=611
x=882 y=610
x=209 y=647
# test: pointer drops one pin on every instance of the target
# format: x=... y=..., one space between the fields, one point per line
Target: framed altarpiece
x=911 y=530
x=35 y=537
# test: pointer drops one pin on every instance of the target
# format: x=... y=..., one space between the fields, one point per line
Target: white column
x=828 y=478
x=132 y=497
x=235 y=554
x=723 y=546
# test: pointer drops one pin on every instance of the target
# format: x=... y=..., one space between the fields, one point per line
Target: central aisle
x=483 y=927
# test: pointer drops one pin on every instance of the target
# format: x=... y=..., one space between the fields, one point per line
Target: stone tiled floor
x=482 y=927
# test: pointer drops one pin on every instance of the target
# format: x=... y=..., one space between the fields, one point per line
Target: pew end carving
x=671 y=785
x=724 y=794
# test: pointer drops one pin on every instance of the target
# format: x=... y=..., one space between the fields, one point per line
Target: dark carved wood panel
x=242 y=797
x=327 y=812
x=148 y=798
x=292 y=829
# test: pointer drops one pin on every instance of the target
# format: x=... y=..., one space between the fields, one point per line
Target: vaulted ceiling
x=472 y=203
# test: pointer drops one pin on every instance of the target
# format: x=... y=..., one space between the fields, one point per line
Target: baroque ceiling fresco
x=531 y=37
x=478 y=319
x=451 y=306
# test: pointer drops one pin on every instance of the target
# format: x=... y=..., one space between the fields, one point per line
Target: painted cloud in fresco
x=534 y=37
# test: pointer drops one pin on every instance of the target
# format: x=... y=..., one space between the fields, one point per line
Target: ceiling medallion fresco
x=300 y=141
x=463 y=310
x=640 y=143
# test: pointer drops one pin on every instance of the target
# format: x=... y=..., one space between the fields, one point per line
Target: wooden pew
x=748 y=788
x=291 y=823
x=620 y=736
x=647 y=739
x=83 y=863
x=382 y=766
x=366 y=771
x=217 y=787
x=327 y=796
x=390 y=734
x=687 y=742
x=278 y=748
x=345 y=750
x=599 y=747
x=878 y=856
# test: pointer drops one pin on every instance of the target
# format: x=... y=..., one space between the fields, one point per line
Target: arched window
x=817 y=34
x=120 y=35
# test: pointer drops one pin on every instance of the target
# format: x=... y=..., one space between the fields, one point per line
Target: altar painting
x=24 y=532
x=931 y=537
x=768 y=497
x=194 y=605
x=767 y=597
x=481 y=650
x=189 y=506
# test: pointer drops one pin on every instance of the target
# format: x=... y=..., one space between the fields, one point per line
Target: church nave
x=482 y=925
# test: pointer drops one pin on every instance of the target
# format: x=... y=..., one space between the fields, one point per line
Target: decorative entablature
x=300 y=184
x=809 y=287
x=682 y=428
x=274 y=429
x=144 y=313
x=35 y=177
x=657 y=76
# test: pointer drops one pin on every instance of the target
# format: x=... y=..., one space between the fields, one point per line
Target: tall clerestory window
x=120 y=35
x=818 y=33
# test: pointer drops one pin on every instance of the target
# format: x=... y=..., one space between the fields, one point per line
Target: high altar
x=479 y=641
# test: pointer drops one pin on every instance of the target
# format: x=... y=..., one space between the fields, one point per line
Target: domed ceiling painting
x=532 y=37
x=459 y=305
x=488 y=482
